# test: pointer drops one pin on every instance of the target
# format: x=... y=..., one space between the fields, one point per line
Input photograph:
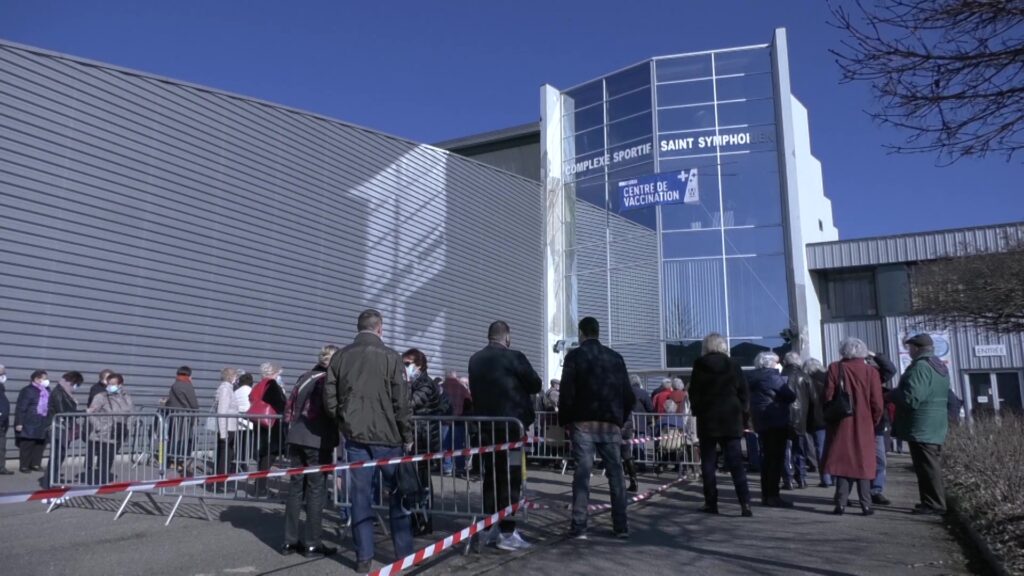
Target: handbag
x=840 y=406
x=257 y=407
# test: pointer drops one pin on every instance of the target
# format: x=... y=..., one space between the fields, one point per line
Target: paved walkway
x=669 y=536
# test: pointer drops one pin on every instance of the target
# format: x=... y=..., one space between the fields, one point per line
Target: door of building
x=995 y=392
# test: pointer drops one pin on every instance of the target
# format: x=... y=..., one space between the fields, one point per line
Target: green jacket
x=921 y=400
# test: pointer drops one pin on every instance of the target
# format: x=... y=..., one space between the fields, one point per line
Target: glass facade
x=662 y=276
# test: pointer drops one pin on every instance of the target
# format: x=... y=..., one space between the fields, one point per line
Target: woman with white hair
x=770 y=398
x=719 y=398
x=851 y=437
x=663 y=395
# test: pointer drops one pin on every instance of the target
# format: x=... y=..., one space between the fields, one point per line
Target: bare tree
x=985 y=290
x=951 y=72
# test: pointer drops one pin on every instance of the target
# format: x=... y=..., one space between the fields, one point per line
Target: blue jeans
x=753 y=452
x=819 y=446
x=878 y=484
x=361 y=485
x=584 y=446
x=796 y=461
x=454 y=439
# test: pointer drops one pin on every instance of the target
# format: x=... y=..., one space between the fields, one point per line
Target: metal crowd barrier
x=454 y=487
x=669 y=441
x=203 y=444
x=92 y=449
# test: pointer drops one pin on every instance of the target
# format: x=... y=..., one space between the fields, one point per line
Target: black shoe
x=23 y=470
x=621 y=534
x=321 y=550
x=577 y=534
x=868 y=512
x=776 y=502
x=927 y=510
x=839 y=510
x=746 y=511
x=787 y=485
x=801 y=484
x=6 y=472
x=633 y=488
x=289 y=549
x=880 y=500
x=36 y=468
x=363 y=566
x=710 y=508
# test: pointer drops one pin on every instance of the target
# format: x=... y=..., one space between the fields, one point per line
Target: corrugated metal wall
x=870 y=331
x=911 y=247
x=148 y=224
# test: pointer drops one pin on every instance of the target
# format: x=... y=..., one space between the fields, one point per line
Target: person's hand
x=18 y=428
x=408 y=448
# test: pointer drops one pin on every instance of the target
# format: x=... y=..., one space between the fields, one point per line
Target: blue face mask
x=411 y=372
x=112 y=388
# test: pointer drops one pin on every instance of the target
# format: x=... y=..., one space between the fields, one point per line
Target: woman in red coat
x=851 y=441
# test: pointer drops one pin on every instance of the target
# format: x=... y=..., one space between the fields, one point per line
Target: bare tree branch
x=949 y=72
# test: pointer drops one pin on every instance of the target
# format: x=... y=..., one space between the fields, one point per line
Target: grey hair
x=3 y=368
x=666 y=383
x=671 y=407
x=766 y=360
x=714 y=342
x=853 y=348
x=813 y=365
x=792 y=359
x=269 y=369
x=677 y=384
x=452 y=373
x=634 y=379
x=229 y=374
x=326 y=353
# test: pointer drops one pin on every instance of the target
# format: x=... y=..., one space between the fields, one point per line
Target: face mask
x=45 y=383
x=112 y=388
x=411 y=372
x=3 y=378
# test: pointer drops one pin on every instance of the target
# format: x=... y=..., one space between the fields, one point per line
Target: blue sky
x=435 y=70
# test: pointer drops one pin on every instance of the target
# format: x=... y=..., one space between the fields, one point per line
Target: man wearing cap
x=921 y=400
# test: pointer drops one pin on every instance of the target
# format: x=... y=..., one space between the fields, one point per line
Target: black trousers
x=733 y=461
x=311 y=486
x=30 y=452
x=3 y=444
x=102 y=455
x=773 y=460
x=845 y=485
x=927 y=459
x=502 y=485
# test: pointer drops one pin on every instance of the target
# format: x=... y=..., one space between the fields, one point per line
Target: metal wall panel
x=963 y=339
x=912 y=247
x=833 y=333
x=148 y=224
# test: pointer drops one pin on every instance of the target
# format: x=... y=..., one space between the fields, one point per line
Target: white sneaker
x=513 y=542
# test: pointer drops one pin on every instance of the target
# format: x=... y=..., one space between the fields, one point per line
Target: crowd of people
x=793 y=416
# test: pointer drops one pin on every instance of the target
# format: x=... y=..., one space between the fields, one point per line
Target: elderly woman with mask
x=109 y=432
x=32 y=421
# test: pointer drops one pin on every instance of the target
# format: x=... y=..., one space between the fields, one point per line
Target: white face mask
x=3 y=378
x=45 y=383
x=411 y=372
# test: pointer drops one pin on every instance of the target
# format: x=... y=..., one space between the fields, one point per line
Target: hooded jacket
x=770 y=398
x=718 y=396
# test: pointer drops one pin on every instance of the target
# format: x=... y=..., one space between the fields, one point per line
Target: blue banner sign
x=661 y=188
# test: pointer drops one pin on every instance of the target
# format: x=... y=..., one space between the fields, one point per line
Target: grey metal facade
x=912 y=247
x=148 y=224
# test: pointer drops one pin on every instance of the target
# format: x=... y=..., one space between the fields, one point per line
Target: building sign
x=656 y=189
x=609 y=159
x=723 y=140
x=990 y=350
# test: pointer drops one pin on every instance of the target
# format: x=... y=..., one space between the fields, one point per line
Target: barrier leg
x=206 y=510
x=156 y=505
x=53 y=504
x=174 y=510
x=474 y=539
x=124 y=504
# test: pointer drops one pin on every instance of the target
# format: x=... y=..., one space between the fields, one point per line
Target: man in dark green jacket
x=921 y=400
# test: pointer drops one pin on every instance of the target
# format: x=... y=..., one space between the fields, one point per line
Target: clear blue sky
x=435 y=70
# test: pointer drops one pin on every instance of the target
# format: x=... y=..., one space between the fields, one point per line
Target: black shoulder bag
x=840 y=406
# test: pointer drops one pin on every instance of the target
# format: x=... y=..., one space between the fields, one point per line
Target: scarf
x=184 y=379
x=44 y=399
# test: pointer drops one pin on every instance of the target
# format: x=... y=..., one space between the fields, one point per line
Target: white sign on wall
x=990 y=350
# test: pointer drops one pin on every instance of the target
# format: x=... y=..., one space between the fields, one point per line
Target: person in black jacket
x=312 y=438
x=100 y=386
x=62 y=401
x=596 y=400
x=501 y=381
x=814 y=370
x=425 y=401
x=32 y=421
x=770 y=398
x=642 y=405
x=799 y=414
x=719 y=399
x=886 y=370
x=5 y=419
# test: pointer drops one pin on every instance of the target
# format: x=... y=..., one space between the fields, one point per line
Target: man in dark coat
x=5 y=419
x=596 y=400
x=719 y=399
x=99 y=387
x=886 y=370
x=501 y=381
x=312 y=438
x=368 y=396
x=799 y=413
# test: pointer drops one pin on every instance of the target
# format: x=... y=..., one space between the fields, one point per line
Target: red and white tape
x=633 y=441
x=468 y=532
x=441 y=545
x=146 y=486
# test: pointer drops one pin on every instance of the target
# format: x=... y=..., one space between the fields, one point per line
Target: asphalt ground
x=668 y=536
